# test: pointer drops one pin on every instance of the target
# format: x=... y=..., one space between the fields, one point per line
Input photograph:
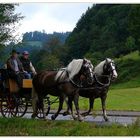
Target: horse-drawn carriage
x=15 y=101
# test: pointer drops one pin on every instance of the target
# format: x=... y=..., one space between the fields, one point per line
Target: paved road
x=118 y=117
x=124 y=120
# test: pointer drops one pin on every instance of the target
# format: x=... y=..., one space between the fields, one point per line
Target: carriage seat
x=27 y=83
x=13 y=87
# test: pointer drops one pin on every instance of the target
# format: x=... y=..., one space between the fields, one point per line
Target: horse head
x=81 y=67
x=87 y=71
x=109 y=68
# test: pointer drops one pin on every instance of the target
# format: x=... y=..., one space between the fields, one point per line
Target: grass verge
x=26 y=127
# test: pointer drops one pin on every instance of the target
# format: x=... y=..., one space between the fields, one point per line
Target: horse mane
x=99 y=68
x=60 y=74
x=74 y=67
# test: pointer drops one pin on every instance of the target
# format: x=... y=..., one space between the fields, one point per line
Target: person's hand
x=34 y=73
x=16 y=72
x=25 y=71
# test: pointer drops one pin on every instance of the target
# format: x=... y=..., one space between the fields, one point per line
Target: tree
x=130 y=44
x=134 y=23
x=102 y=29
x=7 y=22
x=52 y=44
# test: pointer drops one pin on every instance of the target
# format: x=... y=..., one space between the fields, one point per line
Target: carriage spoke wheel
x=46 y=103
x=22 y=105
x=8 y=107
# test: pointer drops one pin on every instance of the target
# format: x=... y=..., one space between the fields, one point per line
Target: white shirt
x=16 y=65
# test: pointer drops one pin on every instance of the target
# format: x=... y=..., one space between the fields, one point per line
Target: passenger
x=15 y=68
x=29 y=70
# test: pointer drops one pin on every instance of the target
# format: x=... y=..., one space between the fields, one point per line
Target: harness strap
x=102 y=84
x=70 y=80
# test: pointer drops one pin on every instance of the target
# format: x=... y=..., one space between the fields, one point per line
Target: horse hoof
x=106 y=119
x=80 y=119
x=53 y=117
x=75 y=118
x=66 y=113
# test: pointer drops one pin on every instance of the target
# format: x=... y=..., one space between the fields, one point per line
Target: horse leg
x=41 y=107
x=61 y=101
x=34 y=103
x=67 y=112
x=103 y=99
x=91 y=103
x=71 y=108
x=76 y=99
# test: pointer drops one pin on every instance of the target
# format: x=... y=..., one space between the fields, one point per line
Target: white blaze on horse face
x=90 y=67
x=91 y=72
x=115 y=75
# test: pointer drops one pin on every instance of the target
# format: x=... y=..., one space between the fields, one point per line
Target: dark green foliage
x=111 y=30
x=134 y=26
x=128 y=69
x=51 y=55
x=7 y=18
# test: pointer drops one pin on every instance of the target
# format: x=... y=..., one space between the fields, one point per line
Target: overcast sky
x=59 y=17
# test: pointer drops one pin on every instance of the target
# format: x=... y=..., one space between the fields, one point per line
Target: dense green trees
x=134 y=24
x=106 y=31
x=51 y=56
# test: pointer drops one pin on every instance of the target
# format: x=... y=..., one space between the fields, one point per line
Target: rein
x=79 y=86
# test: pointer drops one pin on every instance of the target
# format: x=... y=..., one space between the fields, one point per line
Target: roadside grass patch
x=28 y=127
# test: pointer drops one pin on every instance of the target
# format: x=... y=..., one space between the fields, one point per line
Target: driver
x=15 y=68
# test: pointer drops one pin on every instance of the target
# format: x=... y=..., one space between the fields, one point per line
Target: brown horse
x=61 y=83
x=105 y=72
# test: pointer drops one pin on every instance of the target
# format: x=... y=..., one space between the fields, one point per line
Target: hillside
x=105 y=30
x=44 y=37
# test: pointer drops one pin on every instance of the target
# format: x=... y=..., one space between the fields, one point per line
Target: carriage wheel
x=8 y=107
x=22 y=105
x=40 y=114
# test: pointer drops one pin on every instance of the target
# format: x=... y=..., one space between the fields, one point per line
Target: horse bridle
x=83 y=73
x=90 y=72
x=110 y=71
x=108 y=76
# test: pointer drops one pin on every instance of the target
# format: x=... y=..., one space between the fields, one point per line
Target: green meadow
x=118 y=99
